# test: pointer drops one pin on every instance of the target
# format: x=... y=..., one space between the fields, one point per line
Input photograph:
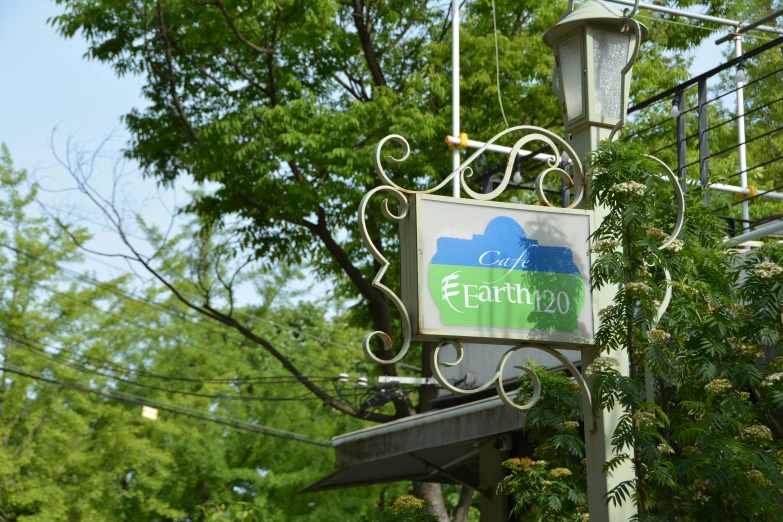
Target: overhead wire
x=171 y=408
x=27 y=343
x=152 y=304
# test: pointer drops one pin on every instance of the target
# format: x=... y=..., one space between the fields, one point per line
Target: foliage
x=708 y=447
x=553 y=486
x=407 y=508
x=78 y=359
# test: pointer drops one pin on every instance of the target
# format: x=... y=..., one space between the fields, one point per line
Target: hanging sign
x=497 y=272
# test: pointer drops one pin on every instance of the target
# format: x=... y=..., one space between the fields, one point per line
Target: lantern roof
x=594 y=11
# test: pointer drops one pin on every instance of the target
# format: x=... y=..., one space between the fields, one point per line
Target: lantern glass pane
x=610 y=54
x=571 y=68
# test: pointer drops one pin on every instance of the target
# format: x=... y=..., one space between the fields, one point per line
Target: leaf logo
x=447 y=286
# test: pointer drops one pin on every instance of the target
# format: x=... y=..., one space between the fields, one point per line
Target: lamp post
x=595 y=47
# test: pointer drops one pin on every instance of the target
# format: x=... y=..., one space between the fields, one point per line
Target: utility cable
x=42 y=352
x=225 y=421
x=156 y=306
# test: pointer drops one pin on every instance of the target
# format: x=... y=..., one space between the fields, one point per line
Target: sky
x=48 y=84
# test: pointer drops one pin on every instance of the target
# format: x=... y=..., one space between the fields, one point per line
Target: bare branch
x=230 y=21
x=172 y=77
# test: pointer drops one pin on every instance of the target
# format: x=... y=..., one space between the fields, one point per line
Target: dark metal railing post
x=564 y=190
x=704 y=141
x=681 y=161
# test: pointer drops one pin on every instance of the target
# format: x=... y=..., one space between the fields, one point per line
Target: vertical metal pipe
x=743 y=163
x=704 y=142
x=681 y=142
x=455 y=155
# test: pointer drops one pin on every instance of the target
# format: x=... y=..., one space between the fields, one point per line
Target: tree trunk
x=433 y=494
x=463 y=508
x=429 y=491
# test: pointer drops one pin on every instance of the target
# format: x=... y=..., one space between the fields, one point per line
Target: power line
x=188 y=412
x=167 y=310
x=41 y=352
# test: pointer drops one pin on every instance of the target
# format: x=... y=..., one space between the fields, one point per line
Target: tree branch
x=171 y=76
x=365 y=37
x=230 y=21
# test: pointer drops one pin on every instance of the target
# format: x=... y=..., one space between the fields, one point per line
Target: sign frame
x=414 y=288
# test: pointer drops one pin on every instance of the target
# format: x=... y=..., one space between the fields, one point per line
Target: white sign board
x=497 y=272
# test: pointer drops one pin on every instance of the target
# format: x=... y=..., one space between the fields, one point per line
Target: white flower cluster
x=600 y=364
x=699 y=486
x=687 y=451
x=756 y=476
x=645 y=419
x=636 y=289
x=772 y=379
x=657 y=233
x=767 y=270
x=604 y=245
x=665 y=449
x=676 y=245
x=658 y=336
x=718 y=386
x=750 y=349
x=604 y=313
x=583 y=517
x=570 y=425
x=629 y=188
x=560 y=473
x=759 y=431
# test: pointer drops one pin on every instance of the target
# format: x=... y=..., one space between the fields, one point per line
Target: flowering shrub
x=407 y=508
x=706 y=446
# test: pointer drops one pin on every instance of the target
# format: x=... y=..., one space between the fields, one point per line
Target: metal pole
x=682 y=172
x=704 y=143
x=743 y=163
x=756 y=234
x=699 y=16
x=750 y=27
x=455 y=154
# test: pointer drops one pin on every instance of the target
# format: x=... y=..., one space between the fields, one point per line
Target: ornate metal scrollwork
x=464 y=171
x=388 y=186
x=497 y=379
x=401 y=194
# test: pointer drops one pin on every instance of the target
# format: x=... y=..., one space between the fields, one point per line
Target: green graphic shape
x=496 y=297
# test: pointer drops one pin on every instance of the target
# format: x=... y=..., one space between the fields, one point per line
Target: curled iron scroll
x=497 y=378
x=679 y=199
x=402 y=211
x=535 y=134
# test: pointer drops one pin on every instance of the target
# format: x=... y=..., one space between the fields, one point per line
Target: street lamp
x=595 y=46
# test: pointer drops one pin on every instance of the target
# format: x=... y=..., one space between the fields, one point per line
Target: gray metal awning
x=437 y=446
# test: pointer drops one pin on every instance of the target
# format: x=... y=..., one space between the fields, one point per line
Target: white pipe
x=473 y=144
x=455 y=155
x=743 y=162
x=699 y=16
x=756 y=234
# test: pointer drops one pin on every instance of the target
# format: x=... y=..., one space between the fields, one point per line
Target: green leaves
x=704 y=435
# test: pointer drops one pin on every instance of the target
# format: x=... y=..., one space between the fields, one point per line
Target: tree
x=80 y=357
x=707 y=445
x=280 y=103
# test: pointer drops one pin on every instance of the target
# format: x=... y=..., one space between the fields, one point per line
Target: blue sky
x=47 y=83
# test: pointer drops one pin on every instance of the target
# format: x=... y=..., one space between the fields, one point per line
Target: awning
x=437 y=446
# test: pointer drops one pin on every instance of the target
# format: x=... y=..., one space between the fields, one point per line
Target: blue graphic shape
x=501 y=245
